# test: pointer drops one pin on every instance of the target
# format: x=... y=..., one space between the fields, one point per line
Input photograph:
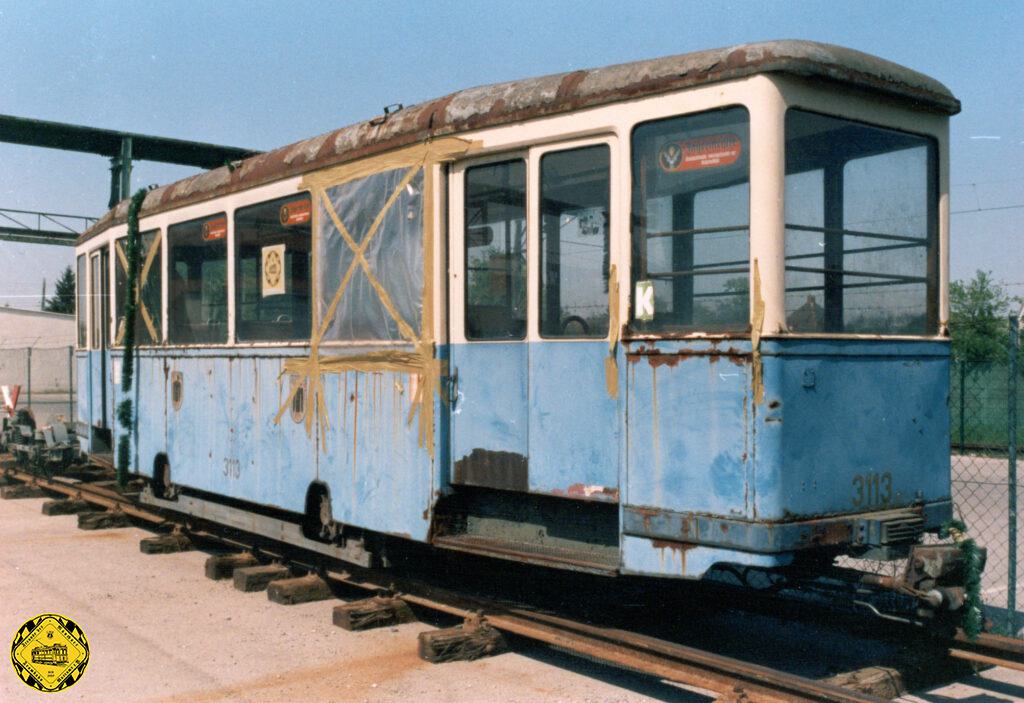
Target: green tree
x=979 y=312
x=64 y=298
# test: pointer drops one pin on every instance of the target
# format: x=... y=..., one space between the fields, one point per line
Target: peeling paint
x=756 y=380
x=611 y=365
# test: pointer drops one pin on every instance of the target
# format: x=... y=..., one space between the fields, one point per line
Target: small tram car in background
x=655 y=319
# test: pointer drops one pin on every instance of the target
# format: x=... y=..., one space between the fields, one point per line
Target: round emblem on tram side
x=50 y=652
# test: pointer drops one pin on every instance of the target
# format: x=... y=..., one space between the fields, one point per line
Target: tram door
x=100 y=316
x=531 y=410
x=489 y=351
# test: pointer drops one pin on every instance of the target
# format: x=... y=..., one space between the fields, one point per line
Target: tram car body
x=50 y=654
x=647 y=319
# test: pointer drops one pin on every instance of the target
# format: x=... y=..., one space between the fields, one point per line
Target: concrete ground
x=159 y=631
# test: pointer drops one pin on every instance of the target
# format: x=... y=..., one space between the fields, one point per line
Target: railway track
x=729 y=678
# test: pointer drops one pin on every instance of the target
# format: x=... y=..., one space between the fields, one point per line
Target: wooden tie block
x=66 y=507
x=303 y=589
x=462 y=643
x=880 y=681
x=21 y=490
x=257 y=578
x=222 y=566
x=166 y=544
x=378 y=611
x=104 y=520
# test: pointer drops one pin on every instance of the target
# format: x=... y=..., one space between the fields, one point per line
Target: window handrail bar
x=692 y=272
x=696 y=230
x=848 y=286
x=862 y=274
x=862 y=250
x=922 y=241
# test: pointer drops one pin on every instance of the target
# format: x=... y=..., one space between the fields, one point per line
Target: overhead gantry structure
x=122 y=148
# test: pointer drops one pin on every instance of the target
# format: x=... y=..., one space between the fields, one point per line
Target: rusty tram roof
x=516 y=101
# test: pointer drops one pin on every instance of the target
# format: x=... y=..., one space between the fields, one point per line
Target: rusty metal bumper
x=874 y=529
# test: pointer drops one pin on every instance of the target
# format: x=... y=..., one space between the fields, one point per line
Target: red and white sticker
x=702 y=152
x=215 y=229
x=296 y=212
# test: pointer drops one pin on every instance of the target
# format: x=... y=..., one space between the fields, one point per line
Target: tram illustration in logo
x=50 y=652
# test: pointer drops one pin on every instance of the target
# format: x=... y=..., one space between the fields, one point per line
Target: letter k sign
x=644 y=300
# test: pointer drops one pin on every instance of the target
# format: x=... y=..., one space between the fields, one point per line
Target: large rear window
x=861 y=228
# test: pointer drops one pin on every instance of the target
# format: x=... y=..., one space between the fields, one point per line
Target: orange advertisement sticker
x=215 y=229
x=296 y=212
x=703 y=152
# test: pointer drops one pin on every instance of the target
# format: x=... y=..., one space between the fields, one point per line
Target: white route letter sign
x=644 y=300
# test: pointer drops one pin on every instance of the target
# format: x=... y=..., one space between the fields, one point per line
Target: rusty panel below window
x=490 y=469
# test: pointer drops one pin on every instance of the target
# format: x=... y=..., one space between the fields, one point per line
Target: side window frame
x=157 y=267
x=615 y=240
x=458 y=260
x=99 y=297
x=169 y=298
x=638 y=258
x=234 y=275
x=82 y=301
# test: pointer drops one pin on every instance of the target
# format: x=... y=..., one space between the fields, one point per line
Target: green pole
x=1011 y=586
x=963 y=378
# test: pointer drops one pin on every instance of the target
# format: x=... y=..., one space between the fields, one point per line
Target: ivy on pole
x=125 y=414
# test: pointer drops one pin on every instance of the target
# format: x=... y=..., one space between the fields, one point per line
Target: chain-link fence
x=986 y=399
x=45 y=377
x=986 y=429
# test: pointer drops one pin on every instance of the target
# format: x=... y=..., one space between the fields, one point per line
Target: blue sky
x=261 y=74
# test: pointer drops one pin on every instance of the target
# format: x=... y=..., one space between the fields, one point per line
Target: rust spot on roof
x=516 y=101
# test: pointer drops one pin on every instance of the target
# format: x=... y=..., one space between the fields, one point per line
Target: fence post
x=1011 y=447
x=29 y=375
x=71 y=384
x=963 y=373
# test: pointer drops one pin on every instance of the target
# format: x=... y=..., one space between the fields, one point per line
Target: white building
x=35 y=328
x=50 y=336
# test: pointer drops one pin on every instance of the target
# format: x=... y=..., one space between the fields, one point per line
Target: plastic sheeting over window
x=148 y=310
x=389 y=196
x=379 y=219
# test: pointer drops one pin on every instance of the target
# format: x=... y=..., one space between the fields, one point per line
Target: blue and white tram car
x=644 y=319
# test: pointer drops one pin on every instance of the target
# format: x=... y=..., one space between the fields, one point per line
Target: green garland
x=125 y=416
x=973 y=619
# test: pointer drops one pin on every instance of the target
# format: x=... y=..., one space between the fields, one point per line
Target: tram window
x=861 y=228
x=197 y=290
x=691 y=219
x=495 y=240
x=148 y=313
x=574 y=242
x=272 y=263
x=99 y=302
x=80 y=301
x=377 y=295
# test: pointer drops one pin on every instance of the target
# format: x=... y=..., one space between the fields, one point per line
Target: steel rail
x=728 y=677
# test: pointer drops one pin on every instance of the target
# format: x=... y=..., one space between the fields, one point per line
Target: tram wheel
x=161 y=484
x=319 y=521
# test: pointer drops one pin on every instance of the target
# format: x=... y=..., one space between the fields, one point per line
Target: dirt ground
x=159 y=631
